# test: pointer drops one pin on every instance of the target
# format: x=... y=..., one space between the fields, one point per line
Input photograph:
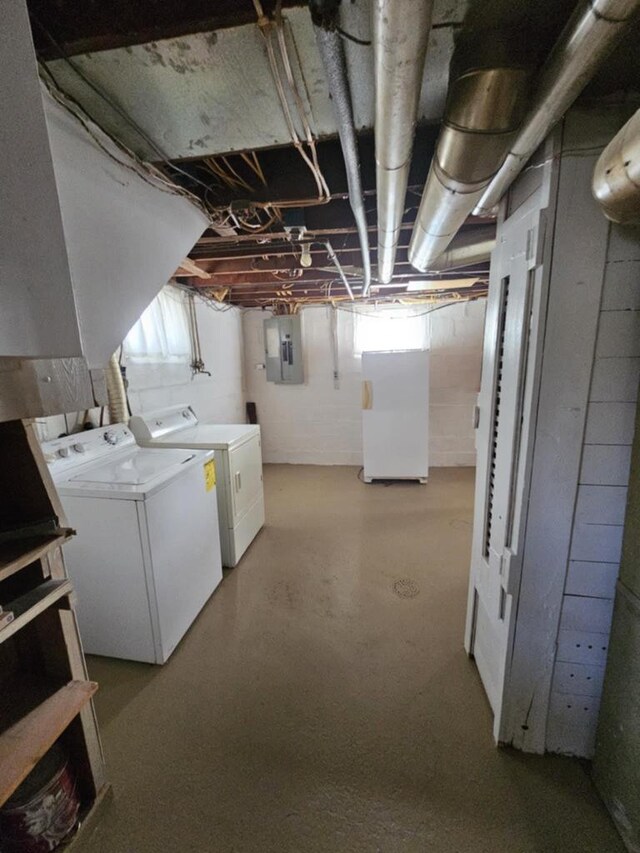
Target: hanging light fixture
x=305 y=255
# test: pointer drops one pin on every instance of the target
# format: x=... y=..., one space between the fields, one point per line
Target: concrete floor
x=323 y=701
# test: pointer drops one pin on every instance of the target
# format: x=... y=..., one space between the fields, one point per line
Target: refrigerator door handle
x=367 y=394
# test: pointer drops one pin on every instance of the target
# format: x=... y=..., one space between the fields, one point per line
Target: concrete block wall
x=318 y=423
x=596 y=540
x=314 y=423
x=218 y=397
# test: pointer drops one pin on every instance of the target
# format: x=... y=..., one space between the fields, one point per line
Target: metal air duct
x=592 y=32
x=616 y=178
x=324 y=14
x=483 y=113
x=473 y=247
x=400 y=35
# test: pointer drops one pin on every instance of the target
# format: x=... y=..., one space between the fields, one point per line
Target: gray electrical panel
x=283 y=350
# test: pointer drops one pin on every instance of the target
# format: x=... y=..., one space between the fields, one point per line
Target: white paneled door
x=503 y=419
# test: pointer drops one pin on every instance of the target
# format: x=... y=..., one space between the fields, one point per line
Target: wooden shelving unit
x=15 y=554
x=25 y=743
x=32 y=604
x=45 y=692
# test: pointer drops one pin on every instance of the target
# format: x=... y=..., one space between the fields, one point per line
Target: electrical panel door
x=283 y=350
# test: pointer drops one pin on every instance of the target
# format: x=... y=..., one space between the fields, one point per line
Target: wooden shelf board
x=32 y=604
x=15 y=554
x=25 y=743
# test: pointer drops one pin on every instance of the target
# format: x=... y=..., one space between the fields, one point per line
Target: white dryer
x=147 y=554
x=238 y=453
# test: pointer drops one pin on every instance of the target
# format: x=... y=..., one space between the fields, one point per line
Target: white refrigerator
x=395 y=415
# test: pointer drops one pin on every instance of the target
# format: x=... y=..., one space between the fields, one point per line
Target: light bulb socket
x=305 y=255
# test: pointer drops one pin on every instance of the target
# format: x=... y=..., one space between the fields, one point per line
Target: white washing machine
x=238 y=452
x=147 y=554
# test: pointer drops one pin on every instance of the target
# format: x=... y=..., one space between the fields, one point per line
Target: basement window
x=390 y=329
x=162 y=332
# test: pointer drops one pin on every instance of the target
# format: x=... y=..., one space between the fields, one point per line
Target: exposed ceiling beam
x=280 y=249
x=263 y=262
x=387 y=290
x=246 y=281
x=90 y=27
x=314 y=232
x=310 y=296
x=189 y=268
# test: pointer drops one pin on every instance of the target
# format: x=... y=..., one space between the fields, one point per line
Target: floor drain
x=406 y=588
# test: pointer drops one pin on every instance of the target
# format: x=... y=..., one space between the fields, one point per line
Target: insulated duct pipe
x=616 y=178
x=324 y=14
x=400 y=35
x=470 y=248
x=591 y=33
x=484 y=110
x=116 y=393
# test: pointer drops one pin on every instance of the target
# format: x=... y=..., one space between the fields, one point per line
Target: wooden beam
x=315 y=294
x=463 y=296
x=120 y=23
x=285 y=265
x=471 y=222
x=244 y=280
x=190 y=268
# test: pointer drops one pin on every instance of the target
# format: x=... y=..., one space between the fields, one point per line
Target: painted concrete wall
x=216 y=398
x=317 y=423
x=596 y=536
x=616 y=765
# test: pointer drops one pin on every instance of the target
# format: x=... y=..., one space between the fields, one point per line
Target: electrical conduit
x=324 y=14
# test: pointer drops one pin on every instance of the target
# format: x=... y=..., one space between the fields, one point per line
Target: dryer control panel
x=155 y=425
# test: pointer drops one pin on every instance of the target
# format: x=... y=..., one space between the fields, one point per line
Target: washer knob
x=63 y=452
x=110 y=437
x=79 y=448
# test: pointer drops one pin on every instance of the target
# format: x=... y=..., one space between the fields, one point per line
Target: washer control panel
x=67 y=453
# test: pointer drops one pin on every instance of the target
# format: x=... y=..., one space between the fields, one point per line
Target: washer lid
x=134 y=469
